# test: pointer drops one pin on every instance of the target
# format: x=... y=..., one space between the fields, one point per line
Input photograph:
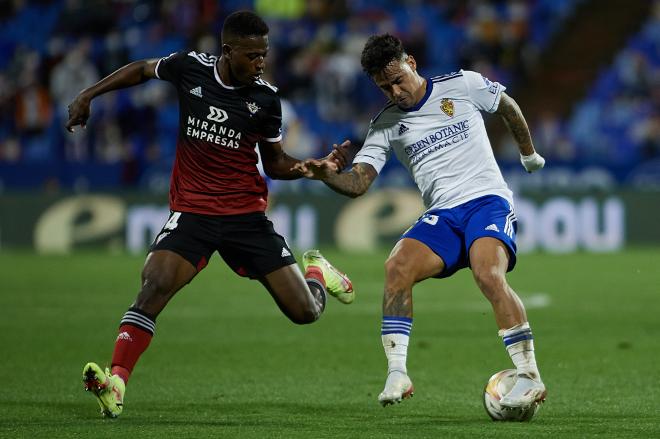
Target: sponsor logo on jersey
x=217 y=114
x=285 y=252
x=197 y=91
x=403 y=129
x=442 y=138
x=253 y=107
x=447 y=107
x=211 y=132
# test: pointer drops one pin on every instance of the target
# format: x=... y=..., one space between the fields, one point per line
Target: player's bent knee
x=398 y=273
x=490 y=281
x=305 y=316
x=301 y=311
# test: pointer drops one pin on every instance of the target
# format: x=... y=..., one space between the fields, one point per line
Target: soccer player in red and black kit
x=217 y=196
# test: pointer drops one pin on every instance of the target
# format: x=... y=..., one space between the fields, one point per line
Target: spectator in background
x=74 y=72
x=647 y=135
x=549 y=134
x=32 y=110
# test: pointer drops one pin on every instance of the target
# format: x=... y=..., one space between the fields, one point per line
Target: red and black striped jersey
x=215 y=169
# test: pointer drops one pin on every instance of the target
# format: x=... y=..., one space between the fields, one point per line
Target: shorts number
x=430 y=219
x=173 y=222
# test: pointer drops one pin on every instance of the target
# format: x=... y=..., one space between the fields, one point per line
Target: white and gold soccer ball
x=499 y=385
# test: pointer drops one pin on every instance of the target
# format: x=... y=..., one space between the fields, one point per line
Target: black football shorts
x=247 y=242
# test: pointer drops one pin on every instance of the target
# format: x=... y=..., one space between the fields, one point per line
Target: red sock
x=315 y=273
x=131 y=343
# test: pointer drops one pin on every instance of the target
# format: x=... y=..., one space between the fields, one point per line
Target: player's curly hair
x=243 y=24
x=379 y=51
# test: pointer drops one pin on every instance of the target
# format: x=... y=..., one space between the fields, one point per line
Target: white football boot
x=397 y=388
x=524 y=393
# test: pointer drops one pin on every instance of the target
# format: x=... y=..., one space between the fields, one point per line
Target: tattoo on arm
x=354 y=182
x=515 y=122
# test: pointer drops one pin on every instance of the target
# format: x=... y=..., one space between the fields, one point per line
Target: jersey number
x=430 y=219
x=173 y=222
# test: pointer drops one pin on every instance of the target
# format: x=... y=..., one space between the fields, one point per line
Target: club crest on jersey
x=252 y=107
x=447 y=107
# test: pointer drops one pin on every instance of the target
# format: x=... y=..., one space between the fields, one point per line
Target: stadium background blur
x=78 y=211
x=585 y=73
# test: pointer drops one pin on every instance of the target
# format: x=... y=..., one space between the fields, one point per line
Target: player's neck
x=421 y=90
x=224 y=71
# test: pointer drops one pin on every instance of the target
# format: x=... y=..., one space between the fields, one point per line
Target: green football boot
x=336 y=282
x=108 y=389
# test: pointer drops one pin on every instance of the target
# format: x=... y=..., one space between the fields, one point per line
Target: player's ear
x=412 y=62
x=226 y=51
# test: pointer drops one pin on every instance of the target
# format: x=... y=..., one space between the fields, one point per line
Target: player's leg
x=336 y=282
x=166 y=271
x=163 y=275
x=409 y=262
x=301 y=299
x=489 y=259
x=252 y=248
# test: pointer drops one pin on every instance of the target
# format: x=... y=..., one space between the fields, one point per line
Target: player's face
x=246 y=57
x=400 y=82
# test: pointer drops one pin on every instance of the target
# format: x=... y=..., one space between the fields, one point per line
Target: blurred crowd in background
x=50 y=50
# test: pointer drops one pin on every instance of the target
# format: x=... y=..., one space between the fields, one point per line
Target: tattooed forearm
x=354 y=182
x=398 y=303
x=515 y=121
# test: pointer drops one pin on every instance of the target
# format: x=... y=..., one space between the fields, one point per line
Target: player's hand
x=341 y=155
x=532 y=162
x=316 y=169
x=78 y=112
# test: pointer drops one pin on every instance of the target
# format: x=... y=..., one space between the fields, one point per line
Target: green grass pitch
x=226 y=363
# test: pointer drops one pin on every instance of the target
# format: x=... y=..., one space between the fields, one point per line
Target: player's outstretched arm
x=279 y=165
x=131 y=74
x=352 y=183
x=515 y=121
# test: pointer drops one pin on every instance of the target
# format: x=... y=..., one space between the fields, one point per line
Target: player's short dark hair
x=379 y=51
x=243 y=24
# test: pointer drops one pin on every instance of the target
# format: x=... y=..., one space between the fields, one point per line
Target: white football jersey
x=442 y=140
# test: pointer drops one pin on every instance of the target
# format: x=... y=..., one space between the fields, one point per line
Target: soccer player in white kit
x=435 y=128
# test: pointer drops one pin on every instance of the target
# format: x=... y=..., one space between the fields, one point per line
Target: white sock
x=520 y=346
x=395 y=334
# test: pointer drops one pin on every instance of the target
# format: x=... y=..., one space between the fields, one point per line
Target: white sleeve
x=376 y=149
x=484 y=93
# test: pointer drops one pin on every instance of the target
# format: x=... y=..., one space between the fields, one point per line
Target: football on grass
x=499 y=385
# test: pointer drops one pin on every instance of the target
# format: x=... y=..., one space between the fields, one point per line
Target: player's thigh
x=413 y=260
x=489 y=255
x=252 y=248
x=434 y=244
x=166 y=272
x=494 y=219
x=189 y=235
